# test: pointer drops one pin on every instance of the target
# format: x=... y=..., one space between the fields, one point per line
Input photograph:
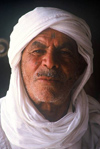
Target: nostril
x=50 y=59
x=50 y=63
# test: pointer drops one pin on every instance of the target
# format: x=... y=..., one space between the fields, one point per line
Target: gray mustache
x=47 y=74
x=52 y=74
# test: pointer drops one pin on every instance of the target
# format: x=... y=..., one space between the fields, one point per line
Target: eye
x=66 y=52
x=38 y=52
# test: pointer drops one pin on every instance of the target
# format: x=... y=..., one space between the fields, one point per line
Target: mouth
x=50 y=76
x=48 y=79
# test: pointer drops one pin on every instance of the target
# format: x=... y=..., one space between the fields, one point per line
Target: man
x=46 y=106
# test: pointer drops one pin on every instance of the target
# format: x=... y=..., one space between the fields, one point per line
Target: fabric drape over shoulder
x=22 y=123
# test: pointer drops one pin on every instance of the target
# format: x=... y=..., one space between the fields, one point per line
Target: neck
x=51 y=111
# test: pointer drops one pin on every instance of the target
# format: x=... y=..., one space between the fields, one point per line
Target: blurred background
x=10 y=11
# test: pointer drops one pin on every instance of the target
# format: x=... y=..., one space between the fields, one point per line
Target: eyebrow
x=67 y=45
x=64 y=45
x=38 y=44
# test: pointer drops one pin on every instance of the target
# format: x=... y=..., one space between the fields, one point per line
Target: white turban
x=22 y=123
x=34 y=22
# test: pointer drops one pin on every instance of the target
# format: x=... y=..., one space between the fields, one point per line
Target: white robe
x=90 y=140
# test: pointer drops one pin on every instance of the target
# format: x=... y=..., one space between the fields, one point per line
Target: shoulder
x=1 y=100
x=91 y=138
x=94 y=111
x=3 y=140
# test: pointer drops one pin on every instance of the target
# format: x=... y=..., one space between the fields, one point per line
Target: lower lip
x=48 y=81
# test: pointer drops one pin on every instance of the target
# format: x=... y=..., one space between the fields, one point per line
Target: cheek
x=28 y=70
x=30 y=65
x=70 y=67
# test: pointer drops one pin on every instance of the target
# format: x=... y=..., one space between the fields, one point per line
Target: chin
x=47 y=95
x=44 y=95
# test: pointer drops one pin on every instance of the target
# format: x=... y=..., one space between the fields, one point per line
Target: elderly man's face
x=50 y=66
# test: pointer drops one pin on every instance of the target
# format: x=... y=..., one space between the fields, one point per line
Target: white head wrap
x=23 y=124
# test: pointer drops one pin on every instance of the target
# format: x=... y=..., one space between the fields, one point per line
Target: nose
x=50 y=60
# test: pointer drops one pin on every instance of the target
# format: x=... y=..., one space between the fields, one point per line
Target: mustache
x=58 y=75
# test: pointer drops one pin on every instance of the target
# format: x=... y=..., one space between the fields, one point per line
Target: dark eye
x=65 y=53
x=38 y=52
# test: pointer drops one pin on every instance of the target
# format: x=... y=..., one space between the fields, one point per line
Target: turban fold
x=25 y=126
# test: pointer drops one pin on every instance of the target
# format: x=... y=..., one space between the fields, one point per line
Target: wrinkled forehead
x=50 y=34
x=53 y=33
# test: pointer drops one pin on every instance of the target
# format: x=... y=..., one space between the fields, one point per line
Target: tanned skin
x=50 y=66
